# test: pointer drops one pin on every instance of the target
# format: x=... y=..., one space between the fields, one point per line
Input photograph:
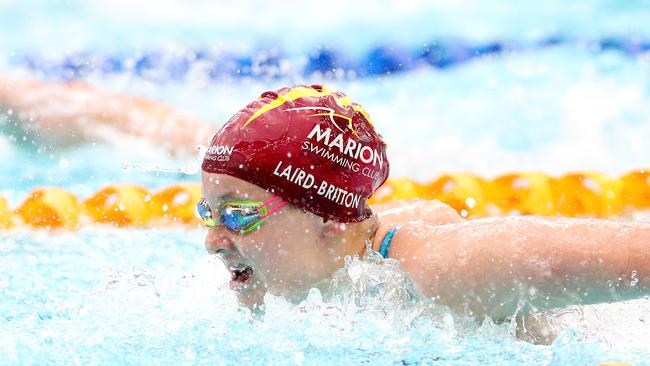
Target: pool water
x=105 y=296
x=556 y=88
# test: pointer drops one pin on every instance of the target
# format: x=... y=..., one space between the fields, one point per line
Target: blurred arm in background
x=67 y=114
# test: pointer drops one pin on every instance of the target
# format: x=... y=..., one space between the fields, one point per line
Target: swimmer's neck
x=377 y=235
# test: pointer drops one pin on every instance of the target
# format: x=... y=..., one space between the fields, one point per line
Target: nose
x=218 y=240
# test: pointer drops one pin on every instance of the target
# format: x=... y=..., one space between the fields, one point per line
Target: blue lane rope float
x=164 y=66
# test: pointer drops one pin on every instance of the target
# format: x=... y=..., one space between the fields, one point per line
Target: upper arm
x=489 y=265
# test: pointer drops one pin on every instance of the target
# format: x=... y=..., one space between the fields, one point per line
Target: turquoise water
x=153 y=297
x=150 y=296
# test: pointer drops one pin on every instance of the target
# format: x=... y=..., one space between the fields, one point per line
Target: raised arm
x=64 y=114
x=490 y=266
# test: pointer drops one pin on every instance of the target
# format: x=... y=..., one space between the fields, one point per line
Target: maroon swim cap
x=311 y=146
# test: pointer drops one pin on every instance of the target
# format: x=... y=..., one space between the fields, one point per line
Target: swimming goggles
x=239 y=216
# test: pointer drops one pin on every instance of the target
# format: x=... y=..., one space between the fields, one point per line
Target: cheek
x=252 y=249
x=267 y=252
x=286 y=257
x=286 y=249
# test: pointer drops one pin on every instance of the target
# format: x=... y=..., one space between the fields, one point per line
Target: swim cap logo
x=219 y=152
x=351 y=148
x=331 y=113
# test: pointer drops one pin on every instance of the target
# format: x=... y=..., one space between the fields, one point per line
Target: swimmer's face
x=291 y=252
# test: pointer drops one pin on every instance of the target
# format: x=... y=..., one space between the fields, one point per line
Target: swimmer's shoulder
x=411 y=215
x=402 y=212
x=414 y=223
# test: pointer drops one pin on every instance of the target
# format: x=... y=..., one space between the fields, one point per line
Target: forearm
x=491 y=265
x=68 y=113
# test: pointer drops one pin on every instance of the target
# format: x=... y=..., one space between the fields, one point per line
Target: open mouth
x=240 y=275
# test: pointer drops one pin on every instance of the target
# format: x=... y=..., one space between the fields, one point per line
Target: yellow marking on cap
x=302 y=92
x=346 y=102
x=291 y=95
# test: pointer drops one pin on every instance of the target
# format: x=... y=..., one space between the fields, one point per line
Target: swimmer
x=64 y=115
x=285 y=184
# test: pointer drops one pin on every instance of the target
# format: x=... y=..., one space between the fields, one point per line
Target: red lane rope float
x=528 y=193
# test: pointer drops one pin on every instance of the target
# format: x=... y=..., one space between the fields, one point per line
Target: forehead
x=217 y=186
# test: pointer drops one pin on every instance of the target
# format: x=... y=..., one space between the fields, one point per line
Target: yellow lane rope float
x=176 y=203
x=49 y=207
x=523 y=193
x=589 y=194
x=120 y=204
x=464 y=192
x=583 y=194
x=635 y=189
x=5 y=214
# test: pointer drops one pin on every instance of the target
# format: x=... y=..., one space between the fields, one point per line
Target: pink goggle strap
x=274 y=208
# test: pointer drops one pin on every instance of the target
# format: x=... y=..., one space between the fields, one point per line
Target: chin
x=251 y=294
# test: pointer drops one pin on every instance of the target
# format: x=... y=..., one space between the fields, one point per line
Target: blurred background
x=454 y=86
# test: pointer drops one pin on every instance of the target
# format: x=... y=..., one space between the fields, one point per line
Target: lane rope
x=215 y=64
x=582 y=194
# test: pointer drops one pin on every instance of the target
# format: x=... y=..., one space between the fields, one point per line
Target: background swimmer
x=68 y=114
x=481 y=266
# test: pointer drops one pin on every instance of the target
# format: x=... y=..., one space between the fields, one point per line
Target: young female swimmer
x=285 y=184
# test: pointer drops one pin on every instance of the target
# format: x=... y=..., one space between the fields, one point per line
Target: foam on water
x=109 y=296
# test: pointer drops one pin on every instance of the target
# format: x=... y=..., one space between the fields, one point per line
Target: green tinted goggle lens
x=240 y=216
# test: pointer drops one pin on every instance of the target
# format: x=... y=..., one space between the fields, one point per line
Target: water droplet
x=591 y=185
x=299 y=358
x=634 y=280
x=470 y=202
x=448 y=187
x=181 y=198
x=190 y=169
x=520 y=183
